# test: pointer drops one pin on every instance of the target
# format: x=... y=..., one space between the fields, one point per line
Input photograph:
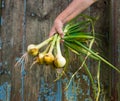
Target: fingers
x=57 y=28
x=60 y=31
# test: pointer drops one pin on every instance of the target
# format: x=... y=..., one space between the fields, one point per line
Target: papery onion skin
x=40 y=58
x=49 y=58
x=32 y=50
x=59 y=61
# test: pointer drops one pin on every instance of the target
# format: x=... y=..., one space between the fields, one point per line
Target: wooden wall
x=28 y=21
x=115 y=48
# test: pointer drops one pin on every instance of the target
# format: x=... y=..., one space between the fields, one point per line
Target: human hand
x=57 y=28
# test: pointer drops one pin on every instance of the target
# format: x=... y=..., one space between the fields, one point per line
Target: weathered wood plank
x=115 y=49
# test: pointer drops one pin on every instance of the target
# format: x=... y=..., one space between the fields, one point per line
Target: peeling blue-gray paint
x=1 y=64
x=2 y=21
x=23 y=73
x=0 y=41
x=3 y=3
x=75 y=90
x=59 y=91
x=24 y=44
x=71 y=92
x=46 y=92
x=5 y=90
x=51 y=93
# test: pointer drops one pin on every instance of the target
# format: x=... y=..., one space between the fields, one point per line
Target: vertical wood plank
x=115 y=48
x=102 y=9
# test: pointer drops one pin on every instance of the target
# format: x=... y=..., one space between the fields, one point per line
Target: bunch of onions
x=40 y=57
x=47 y=56
x=59 y=61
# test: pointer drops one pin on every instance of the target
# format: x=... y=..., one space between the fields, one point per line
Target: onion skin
x=59 y=61
x=33 y=50
x=40 y=58
x=48 y=58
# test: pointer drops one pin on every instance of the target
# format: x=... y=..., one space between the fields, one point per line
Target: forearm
x=75 y=8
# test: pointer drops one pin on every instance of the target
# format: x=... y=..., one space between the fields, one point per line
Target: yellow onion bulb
x=59 y=61
x=32 y=50
x=40 y=58
x=48 y=58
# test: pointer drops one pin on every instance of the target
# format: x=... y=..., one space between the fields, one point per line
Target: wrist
x=62 y=17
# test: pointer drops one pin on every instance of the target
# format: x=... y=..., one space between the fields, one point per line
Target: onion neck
x=44 y=42
x=59 y=54
x=53 y=43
